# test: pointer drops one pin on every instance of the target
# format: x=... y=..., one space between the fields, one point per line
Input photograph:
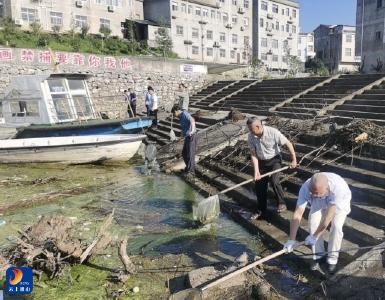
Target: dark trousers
x=188 y=153
x=261 y=186
x=133 y=107
x=148 y=110
x=154 y=113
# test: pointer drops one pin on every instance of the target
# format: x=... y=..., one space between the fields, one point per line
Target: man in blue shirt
x=187 y=123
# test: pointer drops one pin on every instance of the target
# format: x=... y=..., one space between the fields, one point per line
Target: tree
x=84 y=30
x=36 y=28
x=258 y=68
x=294 y=65
x=164 y=41
x=105 y=31
x=56 y=29
x=316 y=66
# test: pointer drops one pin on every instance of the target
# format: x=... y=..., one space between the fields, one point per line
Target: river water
x=154 y=211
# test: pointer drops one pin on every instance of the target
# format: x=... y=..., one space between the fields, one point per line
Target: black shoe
x=332 y=268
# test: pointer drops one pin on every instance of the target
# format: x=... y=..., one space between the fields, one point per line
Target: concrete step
x=357 y=114
x=297 y=109
x=291 y=115
x=371 y=97
x=343 y=120
x=159 y=140
x=362 y=101
x=362 y=108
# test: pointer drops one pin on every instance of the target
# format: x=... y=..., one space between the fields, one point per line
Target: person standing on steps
x=187 y=123
x=153 y=107
x=329 y=198
x=132 y=102
x=265 y=142
x=147 y=100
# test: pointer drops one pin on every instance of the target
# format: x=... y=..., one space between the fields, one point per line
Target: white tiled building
x=335 y=46
x=275 y=32
x=67 y=14
x=213 y=31
x=306 y=46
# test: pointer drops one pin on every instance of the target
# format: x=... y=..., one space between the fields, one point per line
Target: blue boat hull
x=130 y=126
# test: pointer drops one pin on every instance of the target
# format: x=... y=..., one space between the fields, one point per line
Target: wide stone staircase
x=308 y=105
x=365 y=175
x=212 y=88
x=369 y=105
x=260 y=97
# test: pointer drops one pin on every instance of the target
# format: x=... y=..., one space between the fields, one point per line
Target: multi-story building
x=305 y=46
x=335 y=46
x=370 y=42
x=275 y=31
x=70 y=14
x=213 y=31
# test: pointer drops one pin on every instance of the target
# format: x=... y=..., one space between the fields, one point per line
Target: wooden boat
x=70 y=150
x=91 y=127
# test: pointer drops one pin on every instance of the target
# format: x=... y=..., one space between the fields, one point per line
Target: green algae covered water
x=153 y=211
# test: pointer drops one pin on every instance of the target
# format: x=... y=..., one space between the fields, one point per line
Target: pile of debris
x=51 y=244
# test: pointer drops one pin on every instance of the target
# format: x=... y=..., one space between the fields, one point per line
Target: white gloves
x=289 y=246
x=311 y=240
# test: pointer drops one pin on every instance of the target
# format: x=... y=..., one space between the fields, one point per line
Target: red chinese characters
x=78 y=59
x=45 y=57
x=125 y=64
x=5 y=54
x=94 y=61
x=62 y=58
x=27 y=55
x=110 y=62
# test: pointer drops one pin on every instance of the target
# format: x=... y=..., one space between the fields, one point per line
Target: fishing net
x=172 y=136
x=150 y=152
x=207 y=210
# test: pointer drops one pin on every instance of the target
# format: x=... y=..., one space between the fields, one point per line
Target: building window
x=209 y=51
x=275 y=8
x=310 y=37
x=109 y=2
x=285 y=44
x=275 y=58
x=195 y=33
x=234 y=39
x=234 y=19
x=174 y=6
x=105 y=23
x=287 y=28
x=378 y=36
x=218 y=15
x=274 y=44
x=234 y=2
x=28 y=14
x=222 y=53
x=283 y=11
x=349 y=38
x=209 y=34
x=294 y=29
x=263 y=42
x=197 y=11
x=232 y=54
x=222 y=37
x=189 y=9
x=183 y=8
x=246 y=3
x=179 y=30
x=264 y=5
x=310 y=48
x=212 y=14
x=348 y=51
x=264 y=56
x=294 y=13
x=225 y=17
x=80 y=21
x=195 y=50
x=287 y=12
x=246 y=22
x=261 y=22
x=277 y=25
x=282 y=28
x=379 y=3
x=205 y=12
x=56 y=18
x=246 y=41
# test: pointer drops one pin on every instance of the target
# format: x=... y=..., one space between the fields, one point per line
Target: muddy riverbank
x=153 y=211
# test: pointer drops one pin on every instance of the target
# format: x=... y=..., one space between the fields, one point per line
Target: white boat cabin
x=46 y=99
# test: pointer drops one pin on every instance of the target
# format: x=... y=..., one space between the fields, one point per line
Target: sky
x=316 y=12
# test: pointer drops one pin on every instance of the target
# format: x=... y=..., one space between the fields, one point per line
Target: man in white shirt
x=153 y=107
x=265 y=142
x=329 y=198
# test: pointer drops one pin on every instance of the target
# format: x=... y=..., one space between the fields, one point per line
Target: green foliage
x=36 y=28
x=294 y=65
x=84 y=30
x=258 y=68
x=56 y=29
x=164 y=41
x=316 y=66
x=105 y=31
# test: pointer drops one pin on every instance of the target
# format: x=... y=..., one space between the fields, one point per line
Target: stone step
x=371 y=97
x=357 y=114
x=362 y=101
x=361 y=108
x=154 y=137
x=297 y=109
x=290 y=115
x=343 y=120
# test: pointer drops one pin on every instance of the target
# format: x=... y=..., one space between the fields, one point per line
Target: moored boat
x=70 y=150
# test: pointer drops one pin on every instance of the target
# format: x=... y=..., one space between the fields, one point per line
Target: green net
x=206 y=210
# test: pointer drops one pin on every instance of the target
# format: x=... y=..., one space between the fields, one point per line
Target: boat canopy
x=47 y=99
